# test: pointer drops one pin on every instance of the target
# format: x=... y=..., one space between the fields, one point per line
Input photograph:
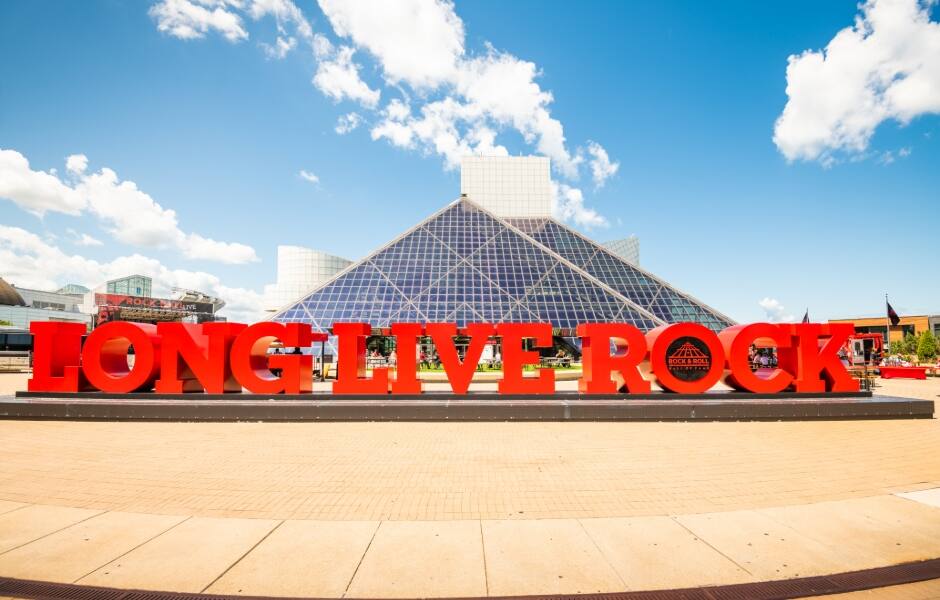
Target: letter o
x=685 y=348
x=737 y=341
x=104 y=357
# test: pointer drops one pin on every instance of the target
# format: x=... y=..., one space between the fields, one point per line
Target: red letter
x=104 y=357
x=736 y=341
x=351 y=370
x=195 y=358
x=816 y=367
x=459 y=373
x=56 y=351
x=251 y=363
x=514 y=357
x=406 y=348
x=606 y=374
x=686 y=358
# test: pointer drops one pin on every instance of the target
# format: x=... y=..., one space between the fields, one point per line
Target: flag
x=892 y=316
x=806 y=316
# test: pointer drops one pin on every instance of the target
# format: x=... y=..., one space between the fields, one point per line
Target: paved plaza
x=466 y=509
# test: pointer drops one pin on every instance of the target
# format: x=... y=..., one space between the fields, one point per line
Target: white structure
x=627 y=249
x=508 y=186
x=299 y=270
x=21 y=306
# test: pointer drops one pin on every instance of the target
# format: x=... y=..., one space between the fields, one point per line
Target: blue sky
x=188 y=105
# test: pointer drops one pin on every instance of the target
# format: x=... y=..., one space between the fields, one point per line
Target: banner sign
x=122 y=301
x=616 y=357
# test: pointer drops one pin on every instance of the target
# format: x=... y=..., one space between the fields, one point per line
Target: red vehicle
x=865 y=349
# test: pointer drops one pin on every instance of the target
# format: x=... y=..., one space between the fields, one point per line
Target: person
x=393 y=358
x=764 y=360
x=276 y=372
x=422 y=360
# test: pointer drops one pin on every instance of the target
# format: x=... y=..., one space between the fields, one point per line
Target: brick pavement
x=110 y=502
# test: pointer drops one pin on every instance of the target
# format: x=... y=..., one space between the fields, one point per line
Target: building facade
x=132 y=285
x=909 y=324
x=300 y=270
x=627 y=248
x=464 y=264
x=495 y=255
x=508 y=186
x=22 y=306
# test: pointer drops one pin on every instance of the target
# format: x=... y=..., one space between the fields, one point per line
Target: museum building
x=494 y=255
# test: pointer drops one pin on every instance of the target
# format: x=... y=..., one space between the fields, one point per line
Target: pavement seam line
x=239 y=559
x=810 y=536
x=25 y=504
x=601 y=552
x=123 y=554
x=835 y=548
x=486 y=577
x=361 y=558
x=52 y=532
x=707 y=543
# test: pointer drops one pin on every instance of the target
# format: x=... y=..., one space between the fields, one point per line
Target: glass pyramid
x=465 y=265
x=646 y=290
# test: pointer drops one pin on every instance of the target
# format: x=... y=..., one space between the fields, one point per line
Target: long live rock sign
x=215 y=358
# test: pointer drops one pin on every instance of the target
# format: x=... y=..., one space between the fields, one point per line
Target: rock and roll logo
x=688 y=358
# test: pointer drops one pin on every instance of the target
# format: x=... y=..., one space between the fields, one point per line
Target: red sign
x=227 y=357
x=123 y=301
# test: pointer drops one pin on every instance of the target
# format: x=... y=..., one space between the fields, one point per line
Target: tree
x=910 y=344
x=906 y=346
x=926 y=345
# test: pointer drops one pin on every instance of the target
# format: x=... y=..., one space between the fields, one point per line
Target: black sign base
x=718 y=406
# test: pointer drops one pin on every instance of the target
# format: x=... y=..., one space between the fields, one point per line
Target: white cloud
x=601 y=166
x=312 y=178
x=568 y=205
x=348 y=122
x=76 y=163
x=398 y=134
x=83 y=239
x=282 y=46
x=129 y=214
x=285 y=13
x=886 y=66
x=36 y=191
x=453 y=103
x=133 y=216
x=196 y=247
x=338 y=78
x=397 y=110
x=420 y=43
x=189 y=19
x=416 y=41
x=775 y=312
x=136 y=219
x=31 y=262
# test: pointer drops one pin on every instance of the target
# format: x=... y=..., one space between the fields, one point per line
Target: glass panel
x=464 y=266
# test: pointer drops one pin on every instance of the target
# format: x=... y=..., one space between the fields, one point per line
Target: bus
x=16 y=349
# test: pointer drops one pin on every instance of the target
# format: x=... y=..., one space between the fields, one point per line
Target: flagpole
x=887 y=327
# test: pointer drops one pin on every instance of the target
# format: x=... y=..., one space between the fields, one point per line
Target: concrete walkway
x=462 y=557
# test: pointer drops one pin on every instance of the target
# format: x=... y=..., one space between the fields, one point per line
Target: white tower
x=300 y=270
x=508 y=186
